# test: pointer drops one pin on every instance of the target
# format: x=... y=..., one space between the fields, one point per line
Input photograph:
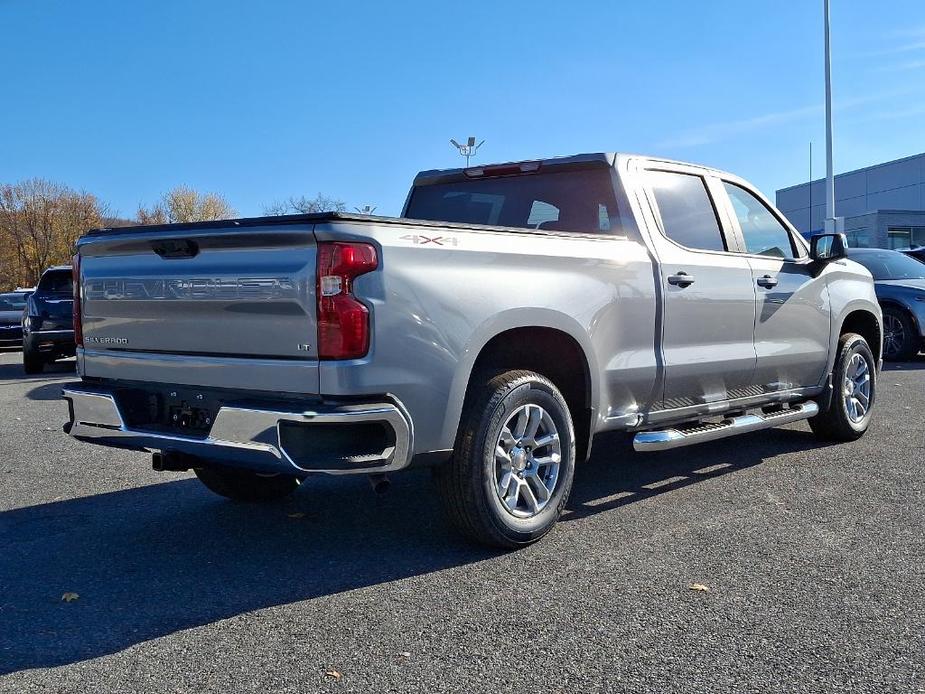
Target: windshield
x=890 y=265
x=581 y=201
x=12 y=303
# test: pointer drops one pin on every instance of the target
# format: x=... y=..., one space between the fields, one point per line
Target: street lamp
x=469 y=149
x=830 y=221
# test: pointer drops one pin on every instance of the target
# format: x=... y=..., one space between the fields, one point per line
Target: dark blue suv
x=48 y=323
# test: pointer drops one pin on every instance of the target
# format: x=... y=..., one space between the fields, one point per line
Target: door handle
x=682 y=279
x=767 y=282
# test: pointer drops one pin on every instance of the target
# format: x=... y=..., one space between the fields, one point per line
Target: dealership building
x=883 y=205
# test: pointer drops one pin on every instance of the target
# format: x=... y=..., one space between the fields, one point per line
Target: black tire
x=835 y=423
x=32 y=363
x=243 y=485
x=906 y=343
x=468 y=484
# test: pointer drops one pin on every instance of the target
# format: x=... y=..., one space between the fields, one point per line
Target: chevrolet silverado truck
x=510 y=314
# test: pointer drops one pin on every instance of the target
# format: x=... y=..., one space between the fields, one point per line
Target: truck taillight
x=343 y=321
x=78 y=316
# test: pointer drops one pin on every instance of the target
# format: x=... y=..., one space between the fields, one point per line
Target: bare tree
x=183 y=204
x=305 y=205
x=40 y=222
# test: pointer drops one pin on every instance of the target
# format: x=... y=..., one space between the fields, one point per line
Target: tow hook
x=380 y=483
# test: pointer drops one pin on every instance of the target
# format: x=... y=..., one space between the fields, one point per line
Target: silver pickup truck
x=510 y=314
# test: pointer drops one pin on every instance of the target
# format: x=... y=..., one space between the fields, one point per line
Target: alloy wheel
x=527 y=457
x=856 y=388
x=894 y=335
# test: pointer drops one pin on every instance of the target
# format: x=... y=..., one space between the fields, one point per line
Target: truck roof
x=423 y=178
x=576 y=161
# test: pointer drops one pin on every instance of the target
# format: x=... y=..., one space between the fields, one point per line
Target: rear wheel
x=900 y=338
x=854 y=379
x=244 y=485
x=32 y=363
x=511 y=473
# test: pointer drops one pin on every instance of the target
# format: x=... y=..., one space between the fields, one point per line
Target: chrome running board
x=665 y=439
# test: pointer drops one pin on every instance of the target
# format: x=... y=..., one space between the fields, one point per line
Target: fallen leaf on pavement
x=332 y=675
x=69 y=597
x=699 y=587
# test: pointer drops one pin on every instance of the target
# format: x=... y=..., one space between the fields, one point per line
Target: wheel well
x=865 y=324
x=896 y=306
x=553 y=354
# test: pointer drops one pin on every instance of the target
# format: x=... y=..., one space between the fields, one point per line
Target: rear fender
x=502 y=322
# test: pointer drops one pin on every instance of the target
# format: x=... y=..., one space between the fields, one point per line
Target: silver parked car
x=510 y=314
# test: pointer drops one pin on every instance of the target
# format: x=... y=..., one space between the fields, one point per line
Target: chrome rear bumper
x=242 y=435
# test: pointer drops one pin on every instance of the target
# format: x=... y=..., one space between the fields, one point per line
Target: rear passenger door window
x=762 y=232
x=687 y=212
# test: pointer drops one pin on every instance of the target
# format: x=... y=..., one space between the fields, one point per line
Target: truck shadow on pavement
x=646 y=475
x=50 y=391
x=153 y=560
x=14 y=372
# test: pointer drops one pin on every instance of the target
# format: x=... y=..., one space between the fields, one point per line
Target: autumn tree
x=40 y=221
x=305 y=205
x=183 y=204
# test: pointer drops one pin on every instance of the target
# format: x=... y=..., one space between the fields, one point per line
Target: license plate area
x=181 y=411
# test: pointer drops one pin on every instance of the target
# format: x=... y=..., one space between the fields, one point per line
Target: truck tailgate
x=230 y=292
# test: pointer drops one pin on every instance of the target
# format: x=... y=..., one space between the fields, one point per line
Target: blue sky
x=262 y=100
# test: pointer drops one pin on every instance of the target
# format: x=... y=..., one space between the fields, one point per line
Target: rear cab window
x=580 y=201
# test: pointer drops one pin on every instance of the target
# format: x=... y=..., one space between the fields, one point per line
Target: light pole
x=469 y=149
x=830 y=224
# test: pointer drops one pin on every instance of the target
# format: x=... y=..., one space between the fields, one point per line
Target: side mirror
x=828 y=247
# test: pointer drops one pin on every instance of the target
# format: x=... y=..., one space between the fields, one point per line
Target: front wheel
x=854 y=379
x=243 y=485
x=511 y=473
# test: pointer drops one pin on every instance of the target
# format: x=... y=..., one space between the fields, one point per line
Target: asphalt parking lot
x=814 y=557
